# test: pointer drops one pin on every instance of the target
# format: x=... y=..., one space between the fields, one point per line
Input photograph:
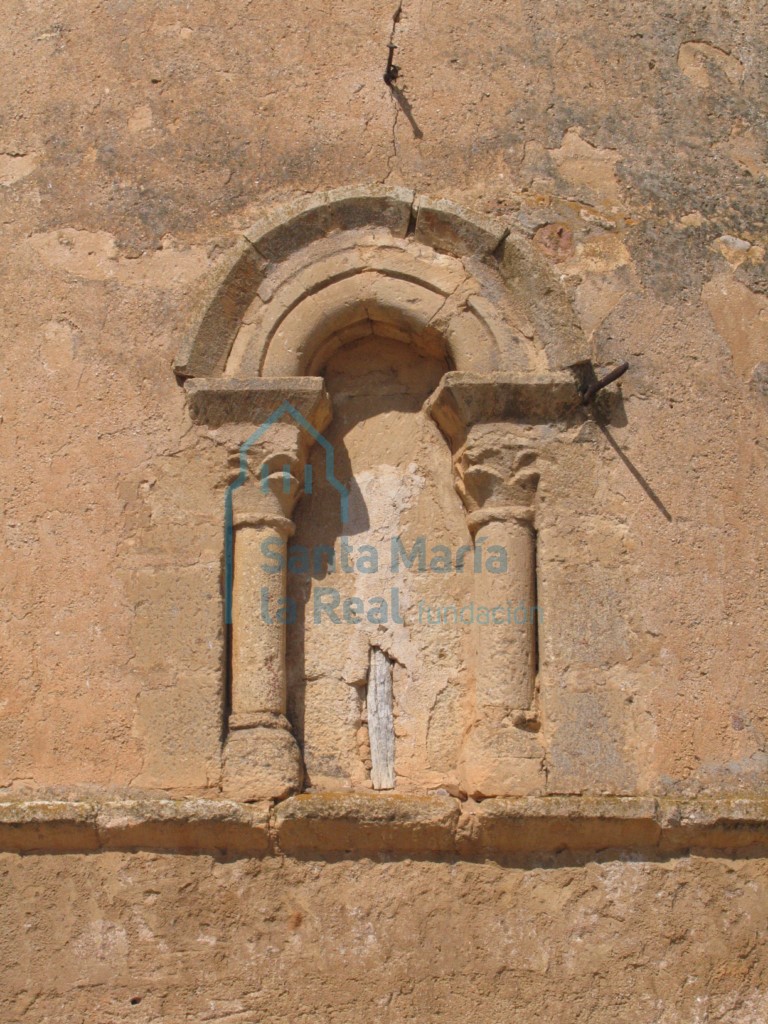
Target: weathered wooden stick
x=381 y=722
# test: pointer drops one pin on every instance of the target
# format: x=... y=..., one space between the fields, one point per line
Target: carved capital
x=267 y=499
x=496 y=477
x=267 y=426
x=496 y=425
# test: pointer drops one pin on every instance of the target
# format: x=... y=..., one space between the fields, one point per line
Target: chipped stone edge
x=363 y=823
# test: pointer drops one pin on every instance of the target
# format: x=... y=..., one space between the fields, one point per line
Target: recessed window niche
x=407 y=374
x=369 y=585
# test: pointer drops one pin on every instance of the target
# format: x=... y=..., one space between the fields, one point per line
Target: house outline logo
x=330 y=476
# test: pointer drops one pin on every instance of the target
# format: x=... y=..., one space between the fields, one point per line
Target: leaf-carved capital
x=497 y=477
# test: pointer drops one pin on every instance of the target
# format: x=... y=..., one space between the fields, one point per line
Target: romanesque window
x=385 y=622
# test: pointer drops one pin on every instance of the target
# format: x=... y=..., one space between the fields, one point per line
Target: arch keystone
x=295 y=225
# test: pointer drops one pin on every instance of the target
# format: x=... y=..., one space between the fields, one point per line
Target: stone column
x=261 y=758
x=498 y=493
x=497 y=480
x=499 y=427
x=258 y=607
x=268 y=427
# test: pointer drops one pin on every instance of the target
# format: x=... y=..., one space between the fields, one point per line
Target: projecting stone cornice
x=463 y=400
x=214 y=401
x=368 y=824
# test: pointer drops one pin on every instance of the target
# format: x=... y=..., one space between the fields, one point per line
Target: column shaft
x=506 y=647
x=258 y=621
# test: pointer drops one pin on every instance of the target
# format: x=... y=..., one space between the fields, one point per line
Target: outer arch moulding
x=370 y=215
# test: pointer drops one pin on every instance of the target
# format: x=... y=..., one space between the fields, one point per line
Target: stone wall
x=616 y=154
x=152 y=937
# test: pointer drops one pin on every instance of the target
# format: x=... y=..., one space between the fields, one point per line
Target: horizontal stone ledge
x=717 y=824
x=462 y=400
x=366 y=823
x=549 y=824
x=214 y=401
x=590 y=823
x=180 y=826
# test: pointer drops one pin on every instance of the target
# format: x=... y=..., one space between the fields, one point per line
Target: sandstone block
x=501 y=760
x=261 y=764
x=366 y=822
x=297 y=224
x=575 y=823
x=220 y=400
x=215 y=321
x=447 y=228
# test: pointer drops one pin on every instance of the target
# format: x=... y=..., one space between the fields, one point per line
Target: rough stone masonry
x=269 y=317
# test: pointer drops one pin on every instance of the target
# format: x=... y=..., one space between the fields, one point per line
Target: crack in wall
x=393 y=157
x=390 y=75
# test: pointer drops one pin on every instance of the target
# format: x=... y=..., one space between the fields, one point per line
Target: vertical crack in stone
x=393 y=157
x=381 y=722
x=392 y=87
x=391 y=77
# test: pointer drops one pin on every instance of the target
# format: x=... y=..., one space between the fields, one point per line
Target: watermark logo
x=282 y=410
x=329 y=605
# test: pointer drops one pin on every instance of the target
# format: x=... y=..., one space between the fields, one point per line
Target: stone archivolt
x=381 y=264
x=322 y=272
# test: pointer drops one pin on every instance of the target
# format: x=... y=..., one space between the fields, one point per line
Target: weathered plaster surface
x=152 y=937
x=626 y=141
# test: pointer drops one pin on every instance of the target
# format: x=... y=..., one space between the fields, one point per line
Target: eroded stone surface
x=277 y=940
x=142 y=140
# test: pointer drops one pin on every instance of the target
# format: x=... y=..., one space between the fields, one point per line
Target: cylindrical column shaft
x=258 y=620
x=506 y=645
x=261 y=759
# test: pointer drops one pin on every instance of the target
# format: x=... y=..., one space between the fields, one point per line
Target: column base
x=261 y=763
x=501 y=760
